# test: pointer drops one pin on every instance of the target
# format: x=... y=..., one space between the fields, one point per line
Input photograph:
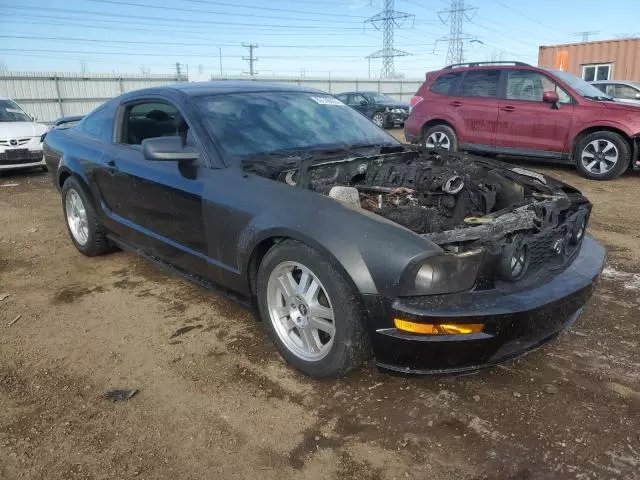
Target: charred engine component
x=347 y=195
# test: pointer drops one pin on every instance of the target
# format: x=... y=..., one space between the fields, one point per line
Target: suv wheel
x=602 y=155
x=310 y=311
x=378 y=119
x=440 y=136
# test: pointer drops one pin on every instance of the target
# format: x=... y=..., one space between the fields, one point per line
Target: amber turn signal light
x=437 y=328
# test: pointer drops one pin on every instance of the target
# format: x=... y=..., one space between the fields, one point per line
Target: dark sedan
x=383 y=110
x=348 y=242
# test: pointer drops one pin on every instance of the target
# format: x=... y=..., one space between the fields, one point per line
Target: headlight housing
x=446 y=273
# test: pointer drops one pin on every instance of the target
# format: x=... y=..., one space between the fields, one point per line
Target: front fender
x=372 y=251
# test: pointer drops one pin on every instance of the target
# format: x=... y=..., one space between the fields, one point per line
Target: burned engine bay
x=459 y=202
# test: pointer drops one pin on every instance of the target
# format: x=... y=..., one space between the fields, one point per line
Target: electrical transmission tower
x=388 y=20
x=251 y=58
x=455 y=16
x=585 y=35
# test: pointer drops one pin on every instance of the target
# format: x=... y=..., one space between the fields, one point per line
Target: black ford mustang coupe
x=348 y=242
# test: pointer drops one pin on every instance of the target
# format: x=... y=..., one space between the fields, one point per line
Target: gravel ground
x=216 y=400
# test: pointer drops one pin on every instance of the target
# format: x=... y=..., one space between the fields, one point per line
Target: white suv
x=20 y=137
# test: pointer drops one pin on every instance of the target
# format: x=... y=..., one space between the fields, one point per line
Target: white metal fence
x=50 y=95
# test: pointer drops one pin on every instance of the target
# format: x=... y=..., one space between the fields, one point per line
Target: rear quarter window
x=480 y=83
x=446 y=84
x=99 y=123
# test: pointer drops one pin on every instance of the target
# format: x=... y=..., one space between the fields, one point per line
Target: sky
x=311 y=38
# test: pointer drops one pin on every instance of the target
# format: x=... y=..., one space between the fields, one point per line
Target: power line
x=169 y=19
x=62 y=21
x=524 y=15
x=387 y=20
x=200 y=11
x=251 y=59
x=288 y=10
x=153 y=42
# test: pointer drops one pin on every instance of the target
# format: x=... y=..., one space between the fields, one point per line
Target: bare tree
x=3 y=66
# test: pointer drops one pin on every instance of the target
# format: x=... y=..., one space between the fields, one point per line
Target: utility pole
x=220 y=53
x=251 y=59
x=455 y=15
x=585 y=35
x=388 y=20
x=178 y=70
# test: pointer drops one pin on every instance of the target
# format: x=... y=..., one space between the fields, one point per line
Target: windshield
x=380 y=97
x=11 y=112
x=249 y=124
x=581 y=87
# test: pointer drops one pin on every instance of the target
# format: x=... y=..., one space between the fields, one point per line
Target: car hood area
x=15 y=130
x=459 y=202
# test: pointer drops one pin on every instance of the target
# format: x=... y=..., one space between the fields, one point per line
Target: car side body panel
x=229 y=206
x=520 y=129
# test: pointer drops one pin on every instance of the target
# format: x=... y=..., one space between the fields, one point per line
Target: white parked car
x=20 y=137
x=620 y=91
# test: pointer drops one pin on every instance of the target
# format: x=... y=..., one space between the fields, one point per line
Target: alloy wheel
x=438 y=140
x=599 y=156
x=300 y=311
x=378 y=119
x=77 y=217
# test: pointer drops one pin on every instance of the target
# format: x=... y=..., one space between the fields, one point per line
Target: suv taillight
x=414 y=101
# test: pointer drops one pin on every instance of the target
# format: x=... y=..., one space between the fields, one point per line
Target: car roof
x=365 y=92
x=617 y=82
x=232 y=86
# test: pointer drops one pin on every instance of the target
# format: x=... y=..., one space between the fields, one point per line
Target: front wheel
x=310 y=311
x=379 y=119
x=602 y=155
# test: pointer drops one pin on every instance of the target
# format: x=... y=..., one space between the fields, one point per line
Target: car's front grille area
x=541 y=251
x=24 y=157
x=15 y=142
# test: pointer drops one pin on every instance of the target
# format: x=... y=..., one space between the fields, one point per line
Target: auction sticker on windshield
x=327 y=101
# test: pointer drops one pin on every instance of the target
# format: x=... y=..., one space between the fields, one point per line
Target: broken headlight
x=446 y=273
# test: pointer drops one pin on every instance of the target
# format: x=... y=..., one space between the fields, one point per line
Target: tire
x=379 y=119
x=95 y=242
x=440 y=135
x=336 y=354
x=595 y=152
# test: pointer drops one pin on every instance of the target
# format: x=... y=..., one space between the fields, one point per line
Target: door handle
x=456 y=103
x=112 y=168
x=508 y=108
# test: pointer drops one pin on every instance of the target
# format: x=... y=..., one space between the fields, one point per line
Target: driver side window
x=151 y=120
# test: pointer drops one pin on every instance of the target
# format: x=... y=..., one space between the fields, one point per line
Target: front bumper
x=394 y=118
x=514 y=323
x=25 y=158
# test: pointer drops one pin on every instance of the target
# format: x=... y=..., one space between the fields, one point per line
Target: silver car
x=620 y=91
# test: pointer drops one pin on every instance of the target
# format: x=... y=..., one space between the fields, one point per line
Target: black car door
x=157 y=205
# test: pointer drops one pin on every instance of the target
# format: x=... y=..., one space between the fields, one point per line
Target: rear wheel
x=310 y=311
x=82 y=224
x=440 y=136
x=602 y=155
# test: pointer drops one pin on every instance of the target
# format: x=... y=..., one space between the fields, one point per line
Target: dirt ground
x=217 y=402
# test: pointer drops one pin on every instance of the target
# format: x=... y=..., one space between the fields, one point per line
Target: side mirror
x=363 y=103
x=168 y=149
x=638 y=95
x=550 y=97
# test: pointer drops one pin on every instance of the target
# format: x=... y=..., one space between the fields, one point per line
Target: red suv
x=511 y=108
